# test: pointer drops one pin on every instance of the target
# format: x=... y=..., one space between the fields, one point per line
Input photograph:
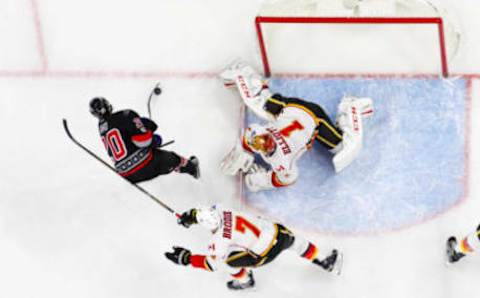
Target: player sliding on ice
x=242 y=241
x=469 y=244
x=131 y=143
x=293 y=125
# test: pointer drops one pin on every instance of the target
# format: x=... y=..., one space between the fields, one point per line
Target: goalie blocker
x=292 y=126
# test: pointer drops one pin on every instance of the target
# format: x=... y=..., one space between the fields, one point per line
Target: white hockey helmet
x=259 y=139
x=209 y=218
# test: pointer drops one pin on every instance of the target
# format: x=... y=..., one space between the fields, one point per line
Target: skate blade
x=446 y=258
x=337 y=268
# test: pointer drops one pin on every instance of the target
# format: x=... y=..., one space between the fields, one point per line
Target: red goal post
x=437 y=21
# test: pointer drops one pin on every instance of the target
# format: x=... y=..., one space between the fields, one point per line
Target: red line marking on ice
x=39 y=36
x=85 y=74
x=142 y=74
x=468 y=143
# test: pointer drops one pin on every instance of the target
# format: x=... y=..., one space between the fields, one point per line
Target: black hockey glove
x=180 y=256
x=149 y=124
x=156 y=141
x=188 y=218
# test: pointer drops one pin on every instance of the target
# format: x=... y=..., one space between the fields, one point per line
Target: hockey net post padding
x=408 y=22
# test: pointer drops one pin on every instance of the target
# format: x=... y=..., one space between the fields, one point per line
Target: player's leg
x=169 y=161
x=284 y=240
x=238 y=266
x=163 y=163
x=307 y=250
x=458 y=249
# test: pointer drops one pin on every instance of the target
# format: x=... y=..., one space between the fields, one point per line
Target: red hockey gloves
x=188 y=218
x=180 y=256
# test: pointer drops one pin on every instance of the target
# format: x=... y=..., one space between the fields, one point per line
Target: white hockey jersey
x=240 y=232
x=293 y=131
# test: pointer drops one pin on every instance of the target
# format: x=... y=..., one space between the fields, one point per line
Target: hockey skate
x=195 y=162
x=332 y=263
x=238 y=285
x=452 y=255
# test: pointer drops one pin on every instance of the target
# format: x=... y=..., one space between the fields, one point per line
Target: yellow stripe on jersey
x=325 y=141
x=272 y=243
x=236 y=256
x=464 y=246
x=281 y=103
x=333 y=130
x=208 y=267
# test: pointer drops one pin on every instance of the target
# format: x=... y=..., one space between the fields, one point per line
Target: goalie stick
x=157 y=90
x=69 y=134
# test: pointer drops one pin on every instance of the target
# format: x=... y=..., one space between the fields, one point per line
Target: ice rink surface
x=417 y=169
x=69 y=228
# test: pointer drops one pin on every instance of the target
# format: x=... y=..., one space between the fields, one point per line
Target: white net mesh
x=369 y=8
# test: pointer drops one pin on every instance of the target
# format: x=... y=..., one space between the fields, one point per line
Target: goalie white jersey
x=293 y=125
x=293 y=132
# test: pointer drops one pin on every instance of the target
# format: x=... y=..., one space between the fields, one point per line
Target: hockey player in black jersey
x=134 y=148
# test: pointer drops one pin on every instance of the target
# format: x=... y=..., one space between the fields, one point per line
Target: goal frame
x=436 y=21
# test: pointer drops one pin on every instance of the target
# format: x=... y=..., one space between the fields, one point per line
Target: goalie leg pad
x=252 y=87
x=231 y=71
x=349 y=119
x=236 y=160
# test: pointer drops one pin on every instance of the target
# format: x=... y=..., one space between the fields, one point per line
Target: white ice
x=69 y=228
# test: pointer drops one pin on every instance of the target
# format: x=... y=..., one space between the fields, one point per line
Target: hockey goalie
x=291 y=126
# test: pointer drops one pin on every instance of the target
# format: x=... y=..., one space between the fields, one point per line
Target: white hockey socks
x=305 y=249
x=470 y=243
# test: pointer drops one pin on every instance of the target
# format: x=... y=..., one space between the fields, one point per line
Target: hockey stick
x=166 y=144
x=69 y=134
x=157 y=90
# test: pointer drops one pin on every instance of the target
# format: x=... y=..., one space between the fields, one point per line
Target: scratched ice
x=411 y=166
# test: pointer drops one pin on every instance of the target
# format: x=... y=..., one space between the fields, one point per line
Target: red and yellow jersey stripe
x=200 y=261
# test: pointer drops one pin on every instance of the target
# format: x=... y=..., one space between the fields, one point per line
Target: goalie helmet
x=260 y=140
x=209 y=218
x=100 y=107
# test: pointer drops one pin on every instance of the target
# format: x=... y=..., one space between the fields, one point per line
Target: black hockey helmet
x=100 y=107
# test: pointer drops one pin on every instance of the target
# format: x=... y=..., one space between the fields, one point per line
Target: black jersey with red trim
x=127 y=138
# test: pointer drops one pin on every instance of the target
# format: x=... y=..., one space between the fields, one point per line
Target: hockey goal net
x=356 y=36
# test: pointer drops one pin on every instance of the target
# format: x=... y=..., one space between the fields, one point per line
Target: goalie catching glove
x=188 y=218
x=236 y=160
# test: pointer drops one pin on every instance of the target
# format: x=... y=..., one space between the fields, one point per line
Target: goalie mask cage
x=375 y=37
